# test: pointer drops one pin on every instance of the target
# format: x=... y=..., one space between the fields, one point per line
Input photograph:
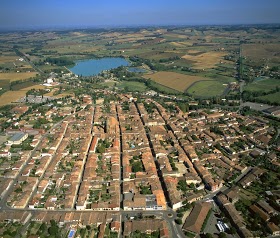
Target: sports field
x=132 y=86
x=209 y=88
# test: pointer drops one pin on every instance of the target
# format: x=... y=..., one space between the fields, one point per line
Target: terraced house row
x=135 y=156
x=140 y=154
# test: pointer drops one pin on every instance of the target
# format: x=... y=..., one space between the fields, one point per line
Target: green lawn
x=215 y=74
x=263 y=85
x=132 y=86
x=108 y=83
x=206 y=89
x=275 y=97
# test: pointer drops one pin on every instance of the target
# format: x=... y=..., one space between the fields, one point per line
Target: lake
x=95 y=66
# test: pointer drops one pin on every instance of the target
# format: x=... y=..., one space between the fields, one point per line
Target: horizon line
x=120 y=26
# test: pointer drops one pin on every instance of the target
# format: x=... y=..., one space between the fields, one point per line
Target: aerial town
x=140 y=119
x=122 y=165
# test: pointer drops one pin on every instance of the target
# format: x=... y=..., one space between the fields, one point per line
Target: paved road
x=211 y=224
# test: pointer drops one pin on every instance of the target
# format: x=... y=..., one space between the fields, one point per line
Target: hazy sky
x=26 y=13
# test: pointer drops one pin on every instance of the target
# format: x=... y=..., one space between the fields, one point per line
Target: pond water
x=92 y=67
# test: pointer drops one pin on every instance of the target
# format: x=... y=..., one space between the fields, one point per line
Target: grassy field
x=7 y=59
x=108 y=83
x=204 y=60
x=273 y=98
x=132 y=86
x=5 y=83
x=23 y=85
x=13 y=96
x=179 y=82
x=262 y=53
x=263 y=85
x=17 y=76
x=206 y=89
x=61 y=95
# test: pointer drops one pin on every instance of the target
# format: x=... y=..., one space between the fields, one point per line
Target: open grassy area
x=132 y=86
x=206 y=89
x=179 y=82
x=263 y=85
x=17 y=76
x=262 y=53
x=273 y=98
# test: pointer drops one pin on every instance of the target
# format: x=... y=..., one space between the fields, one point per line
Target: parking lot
x=256 y=106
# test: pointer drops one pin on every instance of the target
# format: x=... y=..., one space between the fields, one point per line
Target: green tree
x=179 y=221
x=222 y=235
x=232 y=230
x=208 y=235
x=53 y=230
x=182 y=185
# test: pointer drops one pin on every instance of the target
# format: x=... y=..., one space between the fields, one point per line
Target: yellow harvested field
x=205 y=60
x=13 y=96
x=79 y=34
x=181 y=44
x=195 y=52
x=17 y=76
x=179 y=82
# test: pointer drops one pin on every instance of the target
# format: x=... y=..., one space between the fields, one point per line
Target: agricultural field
x=210 y=88
x=17 y=76
x=187 y=55
x=12 y=96
x=272 y=98
x=9 y=62
x=262 y=53
x=204 y=60
x=4 y=83
x=179 y=82
x=263 y=85
x=7 y=59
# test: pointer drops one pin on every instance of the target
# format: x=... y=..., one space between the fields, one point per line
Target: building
x=274 y=111
x=275 y=230
x=17 y=138
x=195 y=220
